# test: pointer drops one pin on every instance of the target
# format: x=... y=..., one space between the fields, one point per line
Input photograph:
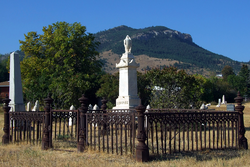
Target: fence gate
x=111 y=132
x=64 y=128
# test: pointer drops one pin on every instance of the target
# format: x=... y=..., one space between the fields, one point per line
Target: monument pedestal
x=128 y=98
x=127 y=102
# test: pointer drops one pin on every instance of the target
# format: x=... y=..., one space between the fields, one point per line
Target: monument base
x=127 y=102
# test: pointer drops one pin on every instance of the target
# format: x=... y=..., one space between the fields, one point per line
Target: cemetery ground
x=32 y=155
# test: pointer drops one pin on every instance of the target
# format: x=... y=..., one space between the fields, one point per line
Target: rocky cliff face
x=143 y=34
x=167 y=33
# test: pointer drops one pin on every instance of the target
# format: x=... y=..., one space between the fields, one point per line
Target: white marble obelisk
x=15 y=89
x=128 y=97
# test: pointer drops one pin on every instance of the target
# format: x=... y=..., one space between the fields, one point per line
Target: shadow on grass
x=200 y=155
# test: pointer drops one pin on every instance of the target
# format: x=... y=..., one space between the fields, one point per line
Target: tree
x=226 y=71
x=144 y=92
x=236 y=82
x=173 y=88
x=109 y=88
x=245 y=81
x=4 y=74
x=62 y=60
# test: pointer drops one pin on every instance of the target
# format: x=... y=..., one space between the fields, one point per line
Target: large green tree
x=62 y=60
x=4 y=74
x=173 y=88
x=241 y=82
x=109 y=88
x=226 y=71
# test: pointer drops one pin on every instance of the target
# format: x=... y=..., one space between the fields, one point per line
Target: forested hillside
x=162 y=42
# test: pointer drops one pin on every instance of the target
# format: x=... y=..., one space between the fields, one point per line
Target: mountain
x=162 y=45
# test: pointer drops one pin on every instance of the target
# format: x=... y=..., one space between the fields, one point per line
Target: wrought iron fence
x=174 y=131
x=159 y=131
x=26 y=126
x=111 y=132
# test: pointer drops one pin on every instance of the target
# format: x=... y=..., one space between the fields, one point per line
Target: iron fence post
x=82 y=126
x=142 y=151
x=6 y=137
x=239 y=108
x=46 y=141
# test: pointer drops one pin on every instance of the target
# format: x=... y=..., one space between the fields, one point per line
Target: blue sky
x=220 y=26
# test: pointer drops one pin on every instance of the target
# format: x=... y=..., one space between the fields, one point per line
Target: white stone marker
x=219 y=103
x=15 y=89
x=128 y=98
x=36 y=107
x=95 y=107
x=70 y=113
x=94 y=111
x=223 y=100
x=28 y=106
x=146 y=118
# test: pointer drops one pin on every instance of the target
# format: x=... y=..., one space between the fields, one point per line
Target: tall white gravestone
x=15 y=89
x=128 y=98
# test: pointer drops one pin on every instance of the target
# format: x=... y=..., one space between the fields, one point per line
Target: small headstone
x=207 y=105
x=219 y=103
x=223 y=100
x=95 y=107
x=230 y=107
x=202 y=106
x=70 y=114
x=146 y=119
x=28 y=106
x=36 y=107
x=94 y=111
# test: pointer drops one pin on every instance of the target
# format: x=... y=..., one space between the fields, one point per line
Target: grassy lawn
x=27 y=155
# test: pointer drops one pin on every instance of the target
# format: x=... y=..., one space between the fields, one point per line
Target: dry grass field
x=27 y=155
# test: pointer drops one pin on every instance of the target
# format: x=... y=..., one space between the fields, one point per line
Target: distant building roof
x=5 y=84
x=219 y=75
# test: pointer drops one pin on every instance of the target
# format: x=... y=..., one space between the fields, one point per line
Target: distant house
x=219 y=76
x=4 y=89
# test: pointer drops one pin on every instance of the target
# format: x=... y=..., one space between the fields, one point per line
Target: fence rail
x=26 y=126
x=188 y=131
x=156 y=131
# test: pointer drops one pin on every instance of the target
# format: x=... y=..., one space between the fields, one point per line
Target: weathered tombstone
x=70 y=114
x=245 y=97
x=36 y=107
x=146 y=118
x=94 y=111
x=15 y=88
x=90 y=107
x=96 y=107
x=202 y=106
x=128 y=98
x=28 y=106
x=230 y=107
x=207 y=105
x=219 y=103
x=223 y=100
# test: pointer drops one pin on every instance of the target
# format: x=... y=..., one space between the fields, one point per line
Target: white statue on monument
x=128 y=98
x=127 y=44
